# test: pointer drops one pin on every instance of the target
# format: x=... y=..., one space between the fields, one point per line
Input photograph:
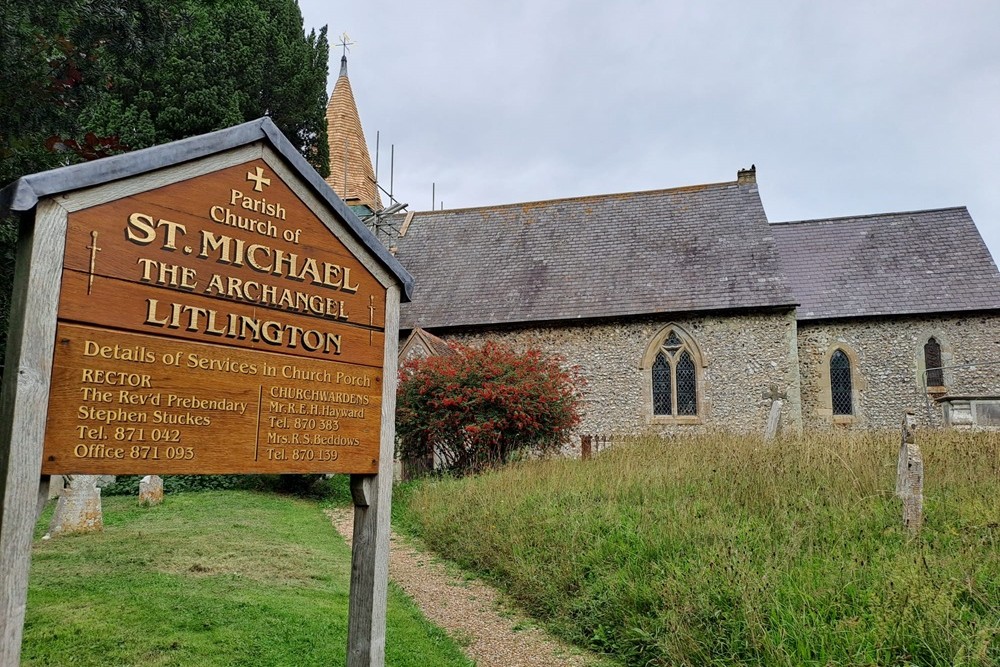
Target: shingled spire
x=351 y=174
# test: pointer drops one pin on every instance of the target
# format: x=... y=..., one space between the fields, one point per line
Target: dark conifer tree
x=83 y=79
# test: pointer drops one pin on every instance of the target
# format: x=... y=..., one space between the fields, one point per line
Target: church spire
x=351 y=174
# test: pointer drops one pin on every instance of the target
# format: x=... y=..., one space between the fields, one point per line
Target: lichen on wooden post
x=910 y=476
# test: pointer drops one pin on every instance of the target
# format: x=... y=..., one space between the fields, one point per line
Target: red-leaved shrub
x=479 y=407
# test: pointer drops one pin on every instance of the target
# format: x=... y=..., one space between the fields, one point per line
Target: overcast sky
x=846 y=107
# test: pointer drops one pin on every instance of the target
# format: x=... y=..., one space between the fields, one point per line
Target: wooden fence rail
x=591 y=445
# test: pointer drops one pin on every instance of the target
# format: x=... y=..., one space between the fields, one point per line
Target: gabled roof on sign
x=25 y=193
x=697 y=248
x=888 y=264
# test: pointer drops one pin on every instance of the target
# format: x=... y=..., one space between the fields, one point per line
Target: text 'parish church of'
x=686 y=308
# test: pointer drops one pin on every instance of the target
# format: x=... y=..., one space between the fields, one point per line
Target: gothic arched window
x=674 y=377
x=840 y=384
x=932 y=363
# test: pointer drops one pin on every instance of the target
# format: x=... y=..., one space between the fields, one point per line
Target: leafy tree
x=54 y=57
x=480 y=407
x=57 y=59
x=83 y=79
x=231 y=61
x=134 y=73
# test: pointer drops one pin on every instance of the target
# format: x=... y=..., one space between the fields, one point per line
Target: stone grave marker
x=774 y=416
x=78 y=509
x=56 y=484
x=151 y=490
x=910 y=476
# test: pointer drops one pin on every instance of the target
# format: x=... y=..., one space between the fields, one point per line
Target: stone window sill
x=663 y=419
x=844 y=420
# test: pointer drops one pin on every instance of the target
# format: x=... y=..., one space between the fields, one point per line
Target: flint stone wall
x=742 y=356
x=887 y=357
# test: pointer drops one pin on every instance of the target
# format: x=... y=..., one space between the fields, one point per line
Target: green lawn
x=214 y=578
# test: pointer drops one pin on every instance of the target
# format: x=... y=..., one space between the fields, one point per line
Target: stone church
x=686 y=308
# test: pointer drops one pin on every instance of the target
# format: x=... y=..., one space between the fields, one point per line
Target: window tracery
x=674 y=378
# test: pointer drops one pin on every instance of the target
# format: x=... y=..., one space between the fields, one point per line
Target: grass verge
x=215 y=578
x=721 y=550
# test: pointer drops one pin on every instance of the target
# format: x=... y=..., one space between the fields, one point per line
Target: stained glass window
x=662 y=390
x=932 y=362
x=687 y=392
x=840 y=384
x=674 y=379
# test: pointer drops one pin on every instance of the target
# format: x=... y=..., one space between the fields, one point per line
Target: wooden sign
x=206 y=306
x=214 y=325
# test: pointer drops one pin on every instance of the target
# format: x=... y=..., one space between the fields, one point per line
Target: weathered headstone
x=910 y=476
x=151 y=490
x=79 y=507
x=56 y=484
x=774 y=417
x=908 y=437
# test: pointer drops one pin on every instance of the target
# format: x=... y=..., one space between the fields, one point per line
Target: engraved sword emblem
x=371 y=316
x=94 y=249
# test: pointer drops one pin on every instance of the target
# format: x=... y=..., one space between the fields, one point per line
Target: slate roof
x=24 y=193
x=698 y=248
x=889 y=264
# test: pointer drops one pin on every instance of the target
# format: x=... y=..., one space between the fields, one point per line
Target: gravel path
x=471 y=612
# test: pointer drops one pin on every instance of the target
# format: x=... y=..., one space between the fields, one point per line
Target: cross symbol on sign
x=259 y=179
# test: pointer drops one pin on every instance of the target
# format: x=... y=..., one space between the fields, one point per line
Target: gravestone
x=56 y=484
x=151 y=490
x=910 y=476
x=78 y=509
x=774 y=417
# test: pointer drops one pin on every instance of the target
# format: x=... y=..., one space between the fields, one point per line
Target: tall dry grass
x=720 y=549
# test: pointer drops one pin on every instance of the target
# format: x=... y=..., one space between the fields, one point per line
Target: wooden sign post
x=203 y=307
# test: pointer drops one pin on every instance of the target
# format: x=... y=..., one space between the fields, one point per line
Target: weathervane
x=346 y=43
